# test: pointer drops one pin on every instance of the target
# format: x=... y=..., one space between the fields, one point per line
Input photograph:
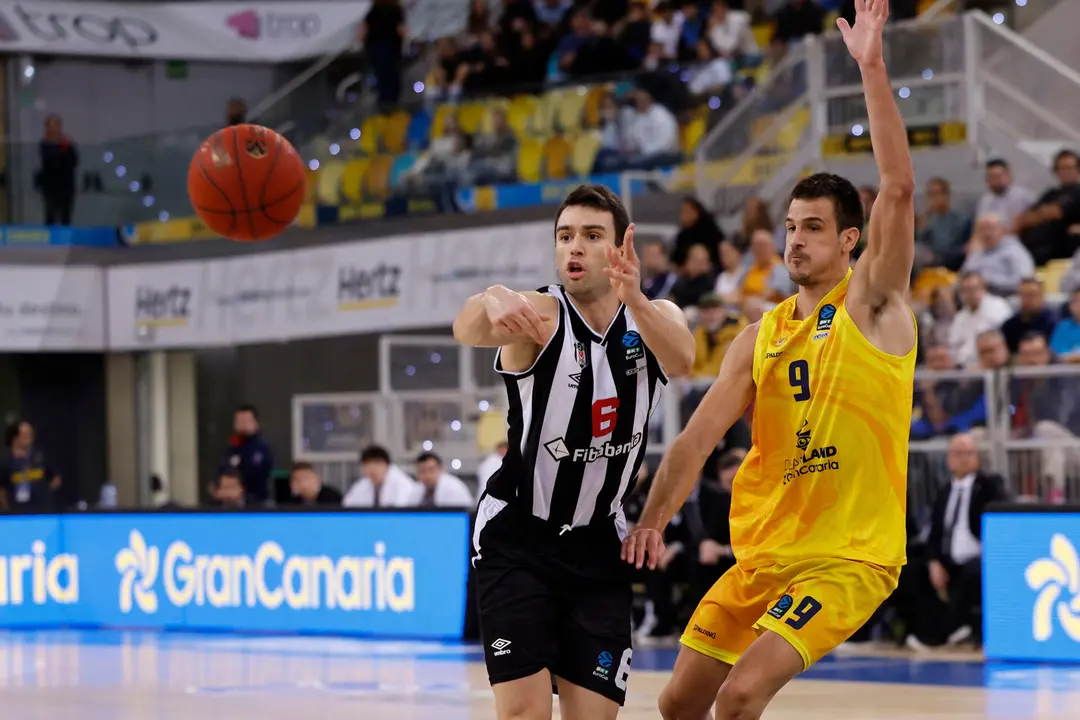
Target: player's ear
x=849 y=239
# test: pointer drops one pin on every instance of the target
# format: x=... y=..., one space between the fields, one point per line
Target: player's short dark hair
x=374 y=452
x=247 y=408
x=1065 y=154
x=847 y=204
x=425 y=456
x=301 y=467
x=598 y=197
x=230 y=474
x=997 y=162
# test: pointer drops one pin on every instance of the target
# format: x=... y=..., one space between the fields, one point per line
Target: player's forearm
x=675 y=478
x=668 y=338
x=472 y=326
x=887 y=132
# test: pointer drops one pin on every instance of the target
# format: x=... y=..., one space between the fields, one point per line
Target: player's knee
x=676 y=706
x=739 y=700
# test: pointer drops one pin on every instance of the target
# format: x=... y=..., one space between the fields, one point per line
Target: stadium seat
x=329 y=191
x=763 y=34
x=1051 y=274
x=438 y=123
x=419 y=129
x=470 y=115
x=557 y=154
x=593 y=98
x=489 y=108
x=690 y=135
x=543 y=119
x=586 y=146
x=377 y=178
x=311 y=186
x=402 y=164
x=396 y=131
x=371 y=133
x=569 y=114
x=352 y=179
x=519 y=114
x=530 y=160
x=930 y=279
x=791 y=135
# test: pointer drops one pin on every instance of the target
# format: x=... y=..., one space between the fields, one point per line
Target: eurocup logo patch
x=632 y=342
x=1057 y=580
x=825 y=316
x=781 y=607
x=138 y=568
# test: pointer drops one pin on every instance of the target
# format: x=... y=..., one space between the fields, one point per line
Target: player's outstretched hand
x=625 y=268
x=511 y=312
x=863 y=39
x=643 y=546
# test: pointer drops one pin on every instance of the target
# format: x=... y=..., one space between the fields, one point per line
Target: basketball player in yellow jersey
x=818 y=506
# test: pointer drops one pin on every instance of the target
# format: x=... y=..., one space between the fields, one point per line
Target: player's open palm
x=511 y=313
x=863 y=39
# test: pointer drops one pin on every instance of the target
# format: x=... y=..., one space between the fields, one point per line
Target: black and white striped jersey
x=578 y=420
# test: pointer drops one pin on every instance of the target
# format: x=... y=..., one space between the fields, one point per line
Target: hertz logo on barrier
x=919 y=136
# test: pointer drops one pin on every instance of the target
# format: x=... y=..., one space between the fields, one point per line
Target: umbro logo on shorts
x=500 y=646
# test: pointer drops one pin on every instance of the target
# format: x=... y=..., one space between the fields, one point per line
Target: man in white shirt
x=438 y=488
x=955 y=543
x=666 y=31
x=1003 y=197
x=981 y=312
x=998 y=255
x=383 y=485
x=730 y=33
x=653 y=132
x=490 y=465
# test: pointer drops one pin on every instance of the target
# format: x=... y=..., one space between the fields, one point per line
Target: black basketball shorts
x=545 y=602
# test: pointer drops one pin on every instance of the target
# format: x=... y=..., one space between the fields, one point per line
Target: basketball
x=246 y=182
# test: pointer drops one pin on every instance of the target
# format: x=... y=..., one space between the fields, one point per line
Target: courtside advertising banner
x=52 y=308
x=378 y=574
x=222 y=31
x=1031 y=586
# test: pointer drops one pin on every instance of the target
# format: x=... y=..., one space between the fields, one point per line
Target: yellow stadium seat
x=929 y=280
x=352 y=179
x=691 y=135
x=311 y=187
x=1051 y=274
x=377 y=178
x=370 y=134
x=519 y=114
x=586 y=146
x=439 y=121
x=470 y=116
x=570 y=112
x=329 y=190
x=530 y=160
x=396 y=132
x=486 y=125
x=543 y=120
x=763 y=34
x=557 y=155
x=593 y=98
x=791 y=135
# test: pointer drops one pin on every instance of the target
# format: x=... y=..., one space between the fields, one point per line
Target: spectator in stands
x=572 y=43
x=308 y=489
x=730 y=275
x=383 y=485
x=382 y=34
x=228 y=491
x=56 y=178
x=717 y=327
x=715 y=556
x=942 y=407
x=1048 y=408
x=713 y=73
x=1003 y=197
x=249 y=454
x=449 y=72
x=657 y=277
x=652 y=134
x=998 y=256
x=766 y=277
x=697 y=226
x=666 y=31
x=936 y=320
x=755 y=216
x=490 y=465
x=980 y=311
x=235 y=112
x=940 y=230
x=613 y=143
x=797 y=19
x=438 y=488
x=693 y=30
x=1065 y=340
x=494 y=153
x=1051 y=227
x=730 y=34
x=1032 y=316
x=444 y=164
x=27 y=482
x=955 y=541
x=483 y=68
x=634 y=32
x=697 y=278
x=550 y=13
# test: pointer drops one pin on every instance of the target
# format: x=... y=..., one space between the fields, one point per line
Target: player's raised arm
x=680 y=469
x=884 y=271
x=499 y=316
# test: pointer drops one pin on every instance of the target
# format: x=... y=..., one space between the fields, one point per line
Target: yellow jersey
x=827 y=473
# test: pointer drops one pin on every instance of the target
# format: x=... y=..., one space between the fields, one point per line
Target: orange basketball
x=246 y=182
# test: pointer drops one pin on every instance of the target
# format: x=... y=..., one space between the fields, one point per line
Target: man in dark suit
x=249 y=455
x=955 y=544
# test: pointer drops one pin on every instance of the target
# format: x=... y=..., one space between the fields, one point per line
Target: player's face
x=815 y=250
x=582 y=235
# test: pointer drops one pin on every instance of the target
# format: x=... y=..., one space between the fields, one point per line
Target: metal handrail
x=298 y=81
x=1028 y=47
x=1020 y=98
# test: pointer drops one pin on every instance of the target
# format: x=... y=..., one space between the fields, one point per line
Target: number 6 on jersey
x=799 y=377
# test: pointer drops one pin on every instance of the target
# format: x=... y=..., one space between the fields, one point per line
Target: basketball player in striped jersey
x=584 y=364
x=818 y=506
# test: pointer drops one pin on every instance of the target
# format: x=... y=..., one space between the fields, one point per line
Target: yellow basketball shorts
x=813 y=604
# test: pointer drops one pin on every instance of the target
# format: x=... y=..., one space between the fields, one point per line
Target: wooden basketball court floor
x=147 y=676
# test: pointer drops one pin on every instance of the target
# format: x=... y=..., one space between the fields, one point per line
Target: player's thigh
x=527 y=698
x=517 y=613
x=763 y=670
x=594 y=639
x=693 y=686
x=824 y=601
x=579 y=703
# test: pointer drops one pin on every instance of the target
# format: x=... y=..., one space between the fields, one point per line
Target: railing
x=437 y=395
